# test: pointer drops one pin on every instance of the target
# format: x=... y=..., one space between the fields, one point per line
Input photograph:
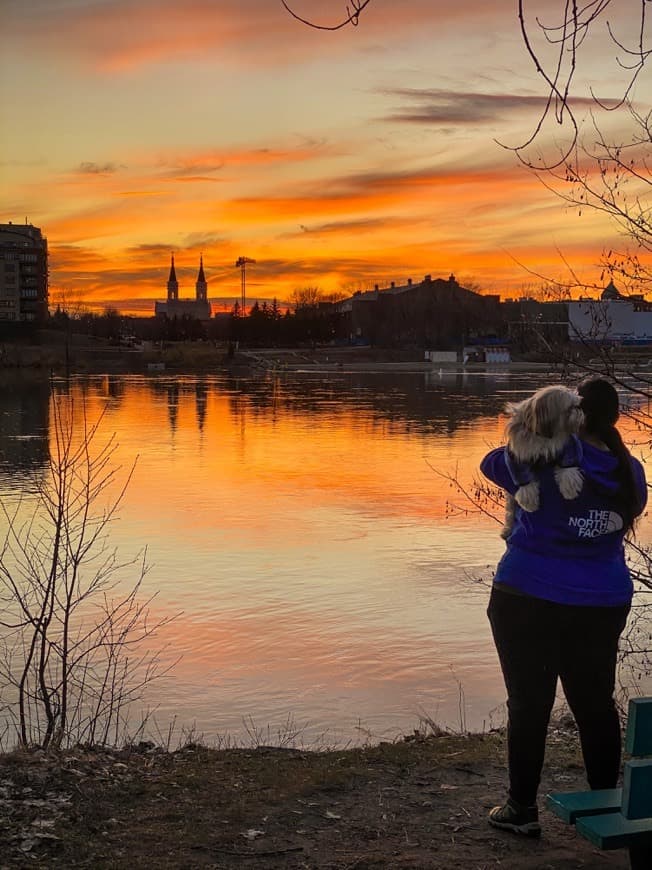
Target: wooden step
x=614 y=831
x=573 y=805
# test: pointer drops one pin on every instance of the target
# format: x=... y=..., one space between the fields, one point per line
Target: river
x=323 y=571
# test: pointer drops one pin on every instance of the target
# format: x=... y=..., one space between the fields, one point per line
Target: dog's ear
x=519 y=419
x=543 y=416
x=517 y=410
x=577 y=419
x=529 y=415
x=576 y=416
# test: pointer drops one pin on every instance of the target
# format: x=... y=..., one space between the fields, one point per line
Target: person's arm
x=641 y=484
x=495 y=468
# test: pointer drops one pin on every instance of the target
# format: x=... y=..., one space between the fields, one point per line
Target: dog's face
x=540 y=425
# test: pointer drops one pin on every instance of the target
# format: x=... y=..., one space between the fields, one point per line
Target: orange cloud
x=435 y=189
x=121 y=35
x=216 y=159
x=114 y=222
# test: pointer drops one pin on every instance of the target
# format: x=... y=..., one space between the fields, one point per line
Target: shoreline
x=418 y=804
x=203 y=357
x=436 y=368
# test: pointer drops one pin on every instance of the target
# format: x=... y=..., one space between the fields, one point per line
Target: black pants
x=537 y=642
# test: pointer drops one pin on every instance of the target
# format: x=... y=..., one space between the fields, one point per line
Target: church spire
x=201 y=288
x=173 y=284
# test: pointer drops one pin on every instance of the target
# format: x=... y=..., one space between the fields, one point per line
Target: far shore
x=96 y=357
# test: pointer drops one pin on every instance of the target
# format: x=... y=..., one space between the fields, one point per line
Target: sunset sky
x=133 y=129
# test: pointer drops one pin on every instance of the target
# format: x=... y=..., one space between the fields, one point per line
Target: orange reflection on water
x=323 y=457
x=303 y=525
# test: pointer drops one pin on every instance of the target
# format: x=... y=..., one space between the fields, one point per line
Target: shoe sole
x=530 y=829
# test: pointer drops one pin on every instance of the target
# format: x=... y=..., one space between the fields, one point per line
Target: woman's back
x=571 y=551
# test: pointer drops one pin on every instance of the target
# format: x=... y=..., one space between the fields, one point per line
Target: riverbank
x=52 y=351
x=419 y=803
x=368 y=359
x=84 y=355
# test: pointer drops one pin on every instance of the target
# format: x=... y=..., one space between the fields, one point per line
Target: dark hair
x=601 y=411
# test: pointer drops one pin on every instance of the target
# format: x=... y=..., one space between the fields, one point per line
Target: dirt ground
x=419 y=803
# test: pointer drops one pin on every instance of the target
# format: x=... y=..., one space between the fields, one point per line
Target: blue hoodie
x=568 y=551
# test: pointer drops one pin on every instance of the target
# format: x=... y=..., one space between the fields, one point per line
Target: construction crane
x=241 y=263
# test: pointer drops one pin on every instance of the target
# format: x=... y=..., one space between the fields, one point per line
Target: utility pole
x=241 y=263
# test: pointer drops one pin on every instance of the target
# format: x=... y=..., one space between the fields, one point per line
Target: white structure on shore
x=613 y=318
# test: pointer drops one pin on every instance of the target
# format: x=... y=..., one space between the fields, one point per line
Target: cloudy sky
x=136 y=128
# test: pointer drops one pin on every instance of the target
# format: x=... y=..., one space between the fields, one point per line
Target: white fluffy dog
x=540 y=432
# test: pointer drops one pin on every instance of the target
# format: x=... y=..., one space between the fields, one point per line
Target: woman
x=559 y=603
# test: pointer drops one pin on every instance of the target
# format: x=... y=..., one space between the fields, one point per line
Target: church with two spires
x=198 y=308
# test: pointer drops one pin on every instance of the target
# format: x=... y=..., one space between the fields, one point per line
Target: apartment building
x=23 y=273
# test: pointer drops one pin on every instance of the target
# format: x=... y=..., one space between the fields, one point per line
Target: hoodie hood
x=600 y=467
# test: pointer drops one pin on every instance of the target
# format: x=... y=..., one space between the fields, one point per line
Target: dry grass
x=416 y=803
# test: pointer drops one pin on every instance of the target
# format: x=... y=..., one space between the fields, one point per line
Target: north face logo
x=596 y=523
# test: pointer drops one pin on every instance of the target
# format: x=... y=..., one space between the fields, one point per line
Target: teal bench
x=619 y=818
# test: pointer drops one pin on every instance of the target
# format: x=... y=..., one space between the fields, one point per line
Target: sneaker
x=515 y=818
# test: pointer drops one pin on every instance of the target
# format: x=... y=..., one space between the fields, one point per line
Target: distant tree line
x=440 y=314
x=310 y=317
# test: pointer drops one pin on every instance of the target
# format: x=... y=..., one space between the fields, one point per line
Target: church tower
x=173 y=284
x=201 y=288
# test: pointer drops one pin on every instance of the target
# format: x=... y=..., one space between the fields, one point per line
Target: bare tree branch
x=353 y=13
x=567 y=36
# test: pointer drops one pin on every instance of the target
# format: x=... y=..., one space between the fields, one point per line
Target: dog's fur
x=537 y=432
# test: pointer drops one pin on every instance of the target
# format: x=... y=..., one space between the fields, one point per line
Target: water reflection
x=297 y=522
x=424 y=401
x=428 y=402
x=443 y=402
x=201 y=403
x=24 y=419
x=172 y=396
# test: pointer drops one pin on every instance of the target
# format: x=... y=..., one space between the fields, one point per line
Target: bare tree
x=69 y=302
x=306 y=297
x=555 y=44
x=335 y=296
x=614 y=177
x=73 y=655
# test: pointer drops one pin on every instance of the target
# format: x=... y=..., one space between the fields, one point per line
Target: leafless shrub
x=74 y=635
